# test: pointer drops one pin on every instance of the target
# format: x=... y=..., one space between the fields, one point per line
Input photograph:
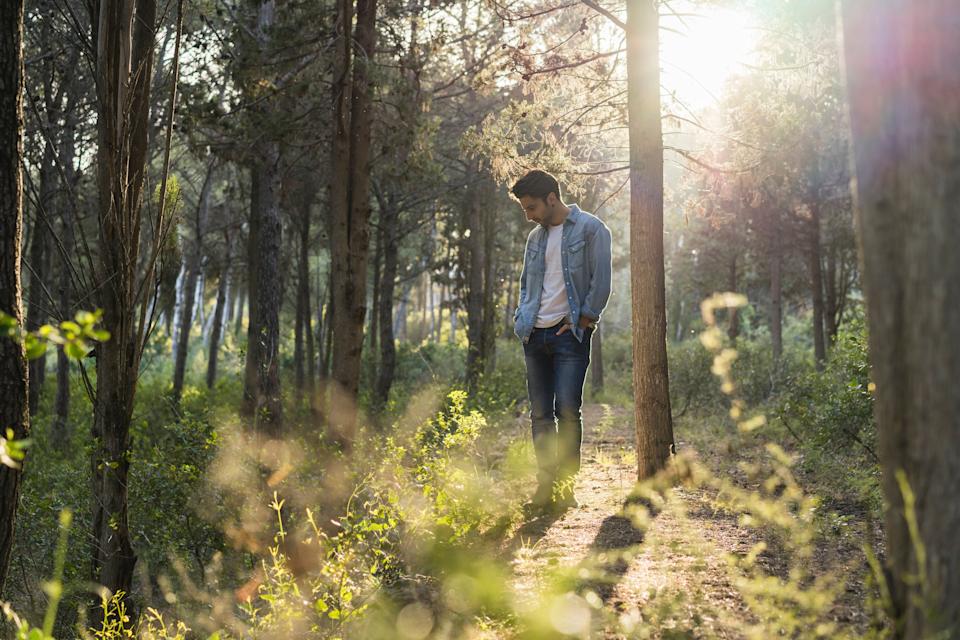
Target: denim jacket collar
x=573 y=215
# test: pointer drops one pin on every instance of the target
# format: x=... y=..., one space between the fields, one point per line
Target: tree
x=14 y=410
x=904 y=95
x=125 y=266
x=350 y=202
x=650 y=383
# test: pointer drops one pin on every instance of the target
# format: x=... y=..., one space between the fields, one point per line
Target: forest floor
x=674 y=576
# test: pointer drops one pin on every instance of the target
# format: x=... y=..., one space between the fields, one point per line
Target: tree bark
x=903 y=83
x=250 y=390
x=241 y=308
x=193 y=267
x=14 y=401
x=733 y=321
x=472 y=257
x=388 y=350
x=775 y=260
x=650 y=382
x=60 y=427
x=124 y=68
x=350 y=207
x=831 y=304
x=37 y=300
x=218 y=315
x=269 y=413
x=816 y=285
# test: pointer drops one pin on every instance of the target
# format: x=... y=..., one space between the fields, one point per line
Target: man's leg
x=570 y=368
x=540 y=390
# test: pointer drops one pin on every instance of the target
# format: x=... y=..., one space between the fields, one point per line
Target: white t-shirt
x=553 y=298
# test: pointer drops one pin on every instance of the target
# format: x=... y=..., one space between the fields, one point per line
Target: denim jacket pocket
x=575 y=253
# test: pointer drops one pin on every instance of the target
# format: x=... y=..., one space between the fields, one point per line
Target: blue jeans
x=556 y=368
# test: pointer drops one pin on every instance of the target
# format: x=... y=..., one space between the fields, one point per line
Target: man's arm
x=602 y=266
x=523 y=280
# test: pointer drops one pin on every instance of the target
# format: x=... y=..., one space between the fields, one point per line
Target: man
x=564 y=287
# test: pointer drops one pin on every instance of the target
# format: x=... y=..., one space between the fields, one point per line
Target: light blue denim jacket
x=587 y=266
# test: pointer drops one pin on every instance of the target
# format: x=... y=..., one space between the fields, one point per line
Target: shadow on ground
x=611 y=552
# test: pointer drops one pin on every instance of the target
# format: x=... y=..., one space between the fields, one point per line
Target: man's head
x=539 y=196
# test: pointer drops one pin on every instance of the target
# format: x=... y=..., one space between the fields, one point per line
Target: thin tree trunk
x=14 y=401
x=374 y=329
x=830 y=303
x=388 y=352
x=193 y=260
x=218 y=324
x=241 y=307
x=816 y=286
x=37 y=300
x=60 y=427
x=490 y=289
x=650 y=382
x=733 y=321
x=472 y=258
x=250 y=389
x=903 y=81
x=328 y=331
x=776 y=288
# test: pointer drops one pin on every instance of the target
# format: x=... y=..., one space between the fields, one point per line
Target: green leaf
x=69 y=325
x=35 y=348
x=76 y=350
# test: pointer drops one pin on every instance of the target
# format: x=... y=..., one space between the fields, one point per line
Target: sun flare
x=702 y=49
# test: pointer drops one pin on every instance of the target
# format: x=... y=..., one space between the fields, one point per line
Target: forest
x=301 y=301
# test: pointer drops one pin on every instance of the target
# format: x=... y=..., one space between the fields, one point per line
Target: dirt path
x=673 y=576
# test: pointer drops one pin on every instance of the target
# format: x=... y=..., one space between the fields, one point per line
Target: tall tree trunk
x=830 y=302
x=241 y=306
x=650 y=381
x=60 y=426
x=124 y=68
x=250 y=389
x=490 y=288
x=903 y=82
x=374 y=329
x=218 y=319
x=307 y=368
x=269 y=414
x=193 y=267
x=472 y=258
x=299 y=366
x=775 y=260
x=14 y=402
x=816 y=285
x=328 y=332
x=733 y=321
x=37 y=295
x=388 y=351
x=350 y=206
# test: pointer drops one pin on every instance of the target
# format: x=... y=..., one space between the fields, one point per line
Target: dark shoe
x=540 y=500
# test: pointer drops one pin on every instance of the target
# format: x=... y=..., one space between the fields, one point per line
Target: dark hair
x=538 y=184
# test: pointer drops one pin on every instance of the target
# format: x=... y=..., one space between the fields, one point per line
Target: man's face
x=537 y=209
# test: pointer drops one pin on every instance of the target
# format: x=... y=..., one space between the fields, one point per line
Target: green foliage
x=830 y=414
x=74 y=336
